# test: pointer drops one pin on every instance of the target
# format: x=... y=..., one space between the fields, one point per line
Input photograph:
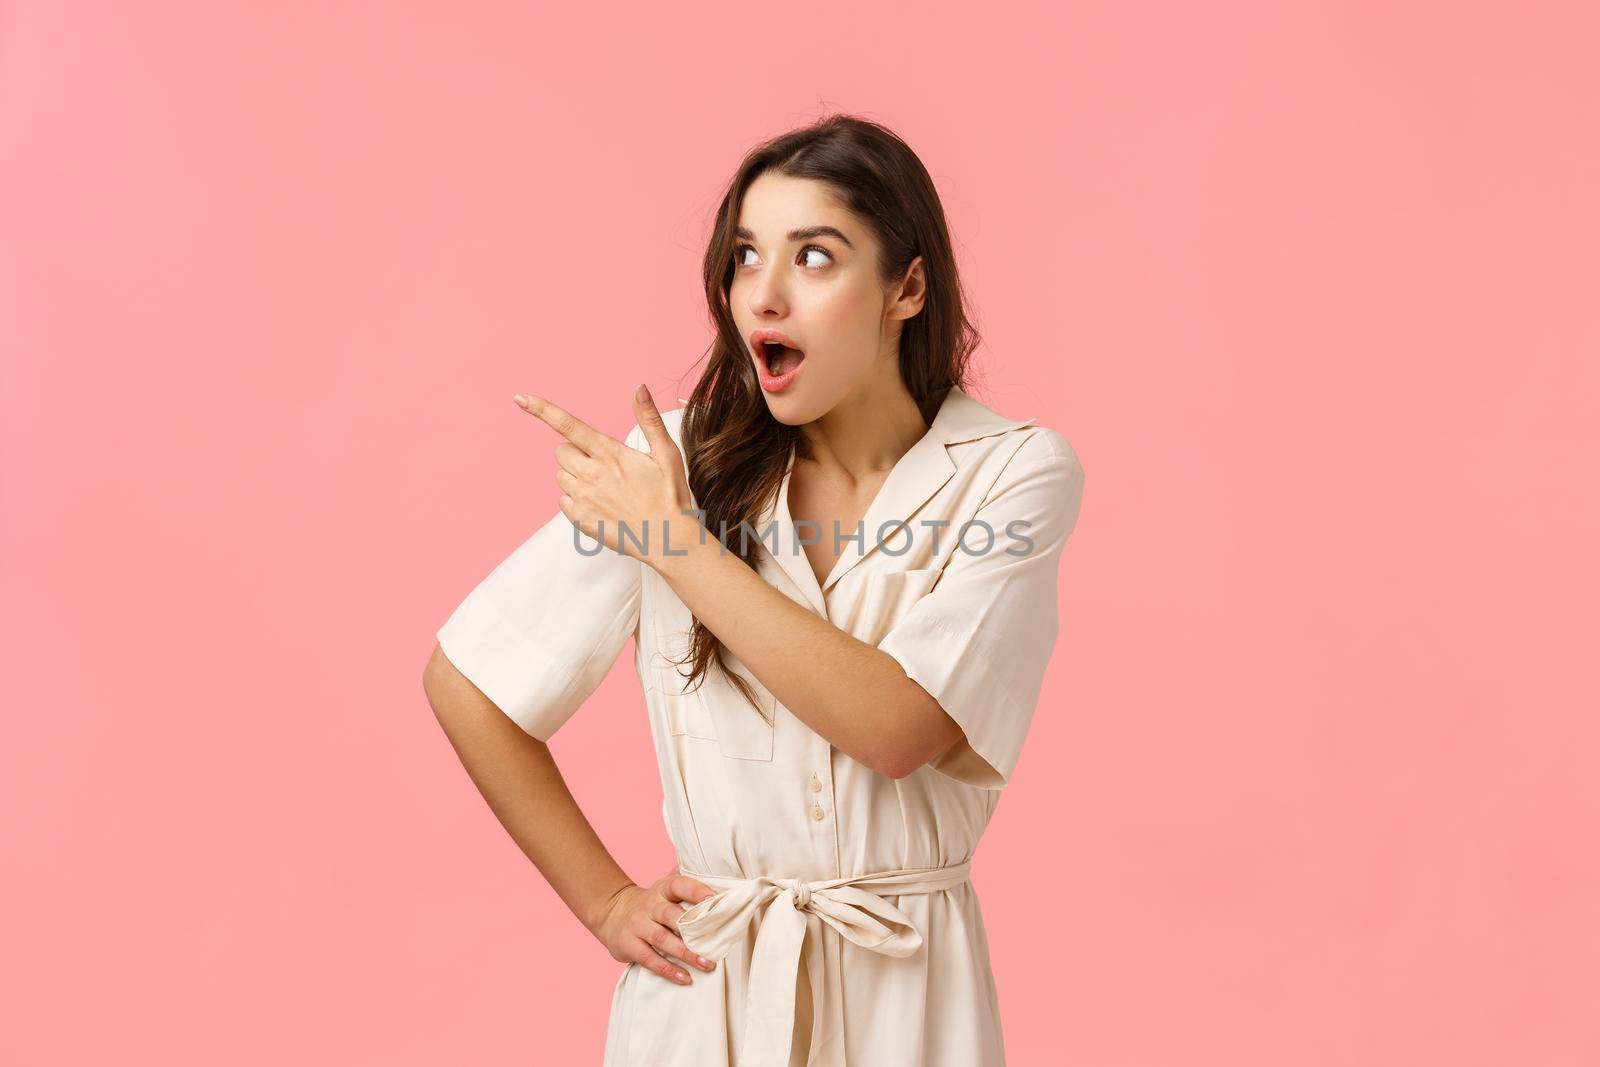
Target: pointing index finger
x=566 y=424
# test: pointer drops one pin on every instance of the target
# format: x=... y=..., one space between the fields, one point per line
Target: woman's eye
x=820 y=251
x=740 y=250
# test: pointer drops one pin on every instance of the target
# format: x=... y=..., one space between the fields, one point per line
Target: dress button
x=817 y=813
x=816 y=784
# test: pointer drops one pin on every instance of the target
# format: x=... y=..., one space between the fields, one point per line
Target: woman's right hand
x=640 y=925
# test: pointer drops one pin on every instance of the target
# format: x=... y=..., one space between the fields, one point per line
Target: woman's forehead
x=777 y=203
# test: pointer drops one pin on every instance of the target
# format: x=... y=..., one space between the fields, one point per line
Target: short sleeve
x=980 y=640
x=539 y=634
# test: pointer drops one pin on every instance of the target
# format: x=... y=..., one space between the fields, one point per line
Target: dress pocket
x=882 y=599
x=743 y=731
x=685 y=713
x=712 y=710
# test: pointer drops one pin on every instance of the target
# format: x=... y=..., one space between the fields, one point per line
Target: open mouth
x=780 y=358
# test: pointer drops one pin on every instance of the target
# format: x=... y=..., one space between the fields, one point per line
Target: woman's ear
x=912 y=292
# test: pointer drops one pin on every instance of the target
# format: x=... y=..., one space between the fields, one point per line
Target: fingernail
x=682 y=977
x=640 y=394
x=521 y=400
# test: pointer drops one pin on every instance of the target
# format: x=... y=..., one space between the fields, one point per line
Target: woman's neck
x=865 y=434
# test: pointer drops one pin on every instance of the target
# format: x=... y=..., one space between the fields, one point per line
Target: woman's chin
x=791 y=407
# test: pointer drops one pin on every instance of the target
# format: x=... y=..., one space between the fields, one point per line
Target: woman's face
x=806 y=268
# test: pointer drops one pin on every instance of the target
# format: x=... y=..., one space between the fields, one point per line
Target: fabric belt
x=780 y=907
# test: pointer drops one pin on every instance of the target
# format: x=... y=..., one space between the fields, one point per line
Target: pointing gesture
x=618 y=495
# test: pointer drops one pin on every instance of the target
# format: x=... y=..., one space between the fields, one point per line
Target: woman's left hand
x=633 y=502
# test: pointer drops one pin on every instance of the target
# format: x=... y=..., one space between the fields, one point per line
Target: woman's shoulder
x=985 y=439
x=1036 y=471
x=1035 y=446
x=1024 y=446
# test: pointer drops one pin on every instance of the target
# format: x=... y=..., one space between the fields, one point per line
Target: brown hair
x=734 y=449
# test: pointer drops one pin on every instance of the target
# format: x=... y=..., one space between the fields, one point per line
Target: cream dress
x=845 y=927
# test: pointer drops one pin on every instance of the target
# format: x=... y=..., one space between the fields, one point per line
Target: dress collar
x=921 y=472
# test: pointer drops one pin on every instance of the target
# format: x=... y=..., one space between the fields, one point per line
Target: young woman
x=840 y=573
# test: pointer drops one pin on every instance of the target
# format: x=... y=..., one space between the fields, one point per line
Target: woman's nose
x=767 y=295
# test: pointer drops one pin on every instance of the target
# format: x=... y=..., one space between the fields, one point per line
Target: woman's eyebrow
x=802 y=234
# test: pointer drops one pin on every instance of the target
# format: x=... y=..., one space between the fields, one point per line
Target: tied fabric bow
x=851 y=906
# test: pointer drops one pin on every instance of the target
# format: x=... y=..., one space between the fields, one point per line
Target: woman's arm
x=856 y=696
x=518 y=778
x=859 y=698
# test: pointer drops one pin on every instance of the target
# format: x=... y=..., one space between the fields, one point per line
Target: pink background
x=1311 y=288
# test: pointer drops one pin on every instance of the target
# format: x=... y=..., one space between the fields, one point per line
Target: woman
x=840 y=571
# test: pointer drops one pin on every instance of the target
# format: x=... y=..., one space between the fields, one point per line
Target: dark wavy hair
x=734 y=449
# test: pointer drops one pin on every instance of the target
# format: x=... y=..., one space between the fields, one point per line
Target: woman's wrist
x=602 y=906
x=683 y=540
